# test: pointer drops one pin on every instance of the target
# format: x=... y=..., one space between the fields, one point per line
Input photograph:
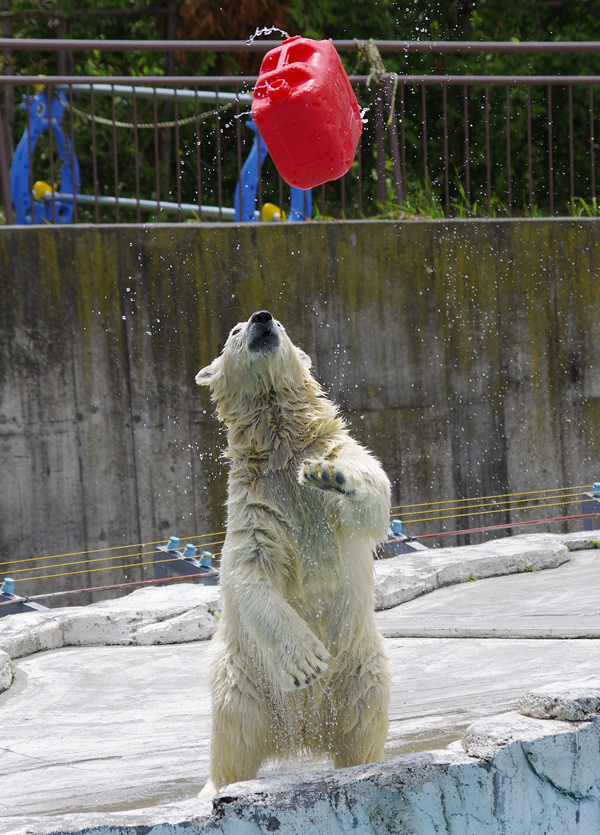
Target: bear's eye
x=235 y=330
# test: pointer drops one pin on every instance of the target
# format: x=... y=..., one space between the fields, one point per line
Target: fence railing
x=123 y=149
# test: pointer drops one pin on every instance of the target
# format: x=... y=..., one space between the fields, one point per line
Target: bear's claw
x=297 y=667
x=325 y=476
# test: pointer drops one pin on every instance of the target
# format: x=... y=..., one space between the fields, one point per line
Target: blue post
x=397 y=527
x=301 y=200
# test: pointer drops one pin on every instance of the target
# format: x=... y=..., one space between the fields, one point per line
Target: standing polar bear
x=297 y=662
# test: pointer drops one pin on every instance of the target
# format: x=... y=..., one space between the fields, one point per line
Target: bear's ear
x=304 y=358
x=207 y=376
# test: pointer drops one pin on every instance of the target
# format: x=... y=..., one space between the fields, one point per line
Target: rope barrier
x=485 y=512
x=94 y=570
x=497 y=496
x=495 y=504
x=506 y=525
x=151 y=125
x=117 y=547
x=98 y=559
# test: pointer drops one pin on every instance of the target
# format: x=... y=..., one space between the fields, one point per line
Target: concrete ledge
x=514 y=774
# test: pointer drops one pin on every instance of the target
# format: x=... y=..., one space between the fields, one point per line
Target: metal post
x=5 y=173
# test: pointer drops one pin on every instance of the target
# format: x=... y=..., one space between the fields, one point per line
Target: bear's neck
x=277 y=429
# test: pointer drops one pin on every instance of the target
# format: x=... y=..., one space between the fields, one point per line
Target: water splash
x=266 y=30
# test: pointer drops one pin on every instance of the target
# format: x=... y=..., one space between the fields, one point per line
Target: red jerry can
x=306 y=111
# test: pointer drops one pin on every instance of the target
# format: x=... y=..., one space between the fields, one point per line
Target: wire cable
x=97 y=559
x=115 y=548
x=497 y=496
x=510 y=502
x=485 y=512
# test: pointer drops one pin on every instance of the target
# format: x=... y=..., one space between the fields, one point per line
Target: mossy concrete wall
x=464 y=353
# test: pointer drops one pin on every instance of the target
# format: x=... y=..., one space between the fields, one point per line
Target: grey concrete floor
x=110 y=728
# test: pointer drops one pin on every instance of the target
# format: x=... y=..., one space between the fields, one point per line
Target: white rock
x=485 y=738
x=572 y=702
x=6 y=671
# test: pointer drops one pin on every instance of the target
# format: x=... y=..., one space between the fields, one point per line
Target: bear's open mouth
x=262 y=337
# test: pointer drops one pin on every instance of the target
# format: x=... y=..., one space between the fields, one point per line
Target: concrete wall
x=463 y=352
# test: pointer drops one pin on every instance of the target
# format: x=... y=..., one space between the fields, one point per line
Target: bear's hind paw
x=325 y=476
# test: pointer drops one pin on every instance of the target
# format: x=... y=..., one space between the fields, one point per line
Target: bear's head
x=258 y=358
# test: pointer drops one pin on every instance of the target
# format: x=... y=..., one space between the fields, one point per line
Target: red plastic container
x=306 y=111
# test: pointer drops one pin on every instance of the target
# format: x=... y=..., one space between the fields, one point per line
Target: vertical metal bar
x=219 y=184
x=156 y=155
x=446 y=171
x=51 y=149
x=4 y=169
x=550 y=156
x=592 y=149
x=136 y=157
x=199 y=151
x=508 y=156
x=115 y=156
x=72 y=154
x=259 y=201
x=395 y=150
x=360 y=176
x=239 y=150
x=94 y=155
x=571 y=154
x=402 y=141
x=529 y=146
x=29 y=153
x=467 y=150
x=380 y=148
x=177 y=159
x=424 y=125
x=488 y=162
x=280 y=190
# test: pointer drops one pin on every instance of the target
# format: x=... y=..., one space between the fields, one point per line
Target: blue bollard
x=397 y=527
x=173 y=544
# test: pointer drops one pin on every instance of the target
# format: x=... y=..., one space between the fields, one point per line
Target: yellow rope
x=498 y=496
x=98 y=559
x=115 y=548
x=495 y=504
x=482 y=512
x=93 y=570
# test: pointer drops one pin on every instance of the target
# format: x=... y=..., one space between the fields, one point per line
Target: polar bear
x=298 y=665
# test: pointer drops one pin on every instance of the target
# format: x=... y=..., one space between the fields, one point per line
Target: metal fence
x=122 y=149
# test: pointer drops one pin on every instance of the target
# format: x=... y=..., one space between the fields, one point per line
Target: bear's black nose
x=261 y=316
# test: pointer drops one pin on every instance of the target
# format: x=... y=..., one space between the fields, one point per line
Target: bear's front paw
x=302 y=663
x=325 y=476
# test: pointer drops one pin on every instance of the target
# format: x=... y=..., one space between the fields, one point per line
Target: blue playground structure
x=28 y=208
x=41 y=109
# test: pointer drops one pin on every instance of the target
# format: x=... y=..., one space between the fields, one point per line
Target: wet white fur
x=297 y=661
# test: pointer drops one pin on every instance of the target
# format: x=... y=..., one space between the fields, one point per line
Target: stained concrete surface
x=103 y=729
